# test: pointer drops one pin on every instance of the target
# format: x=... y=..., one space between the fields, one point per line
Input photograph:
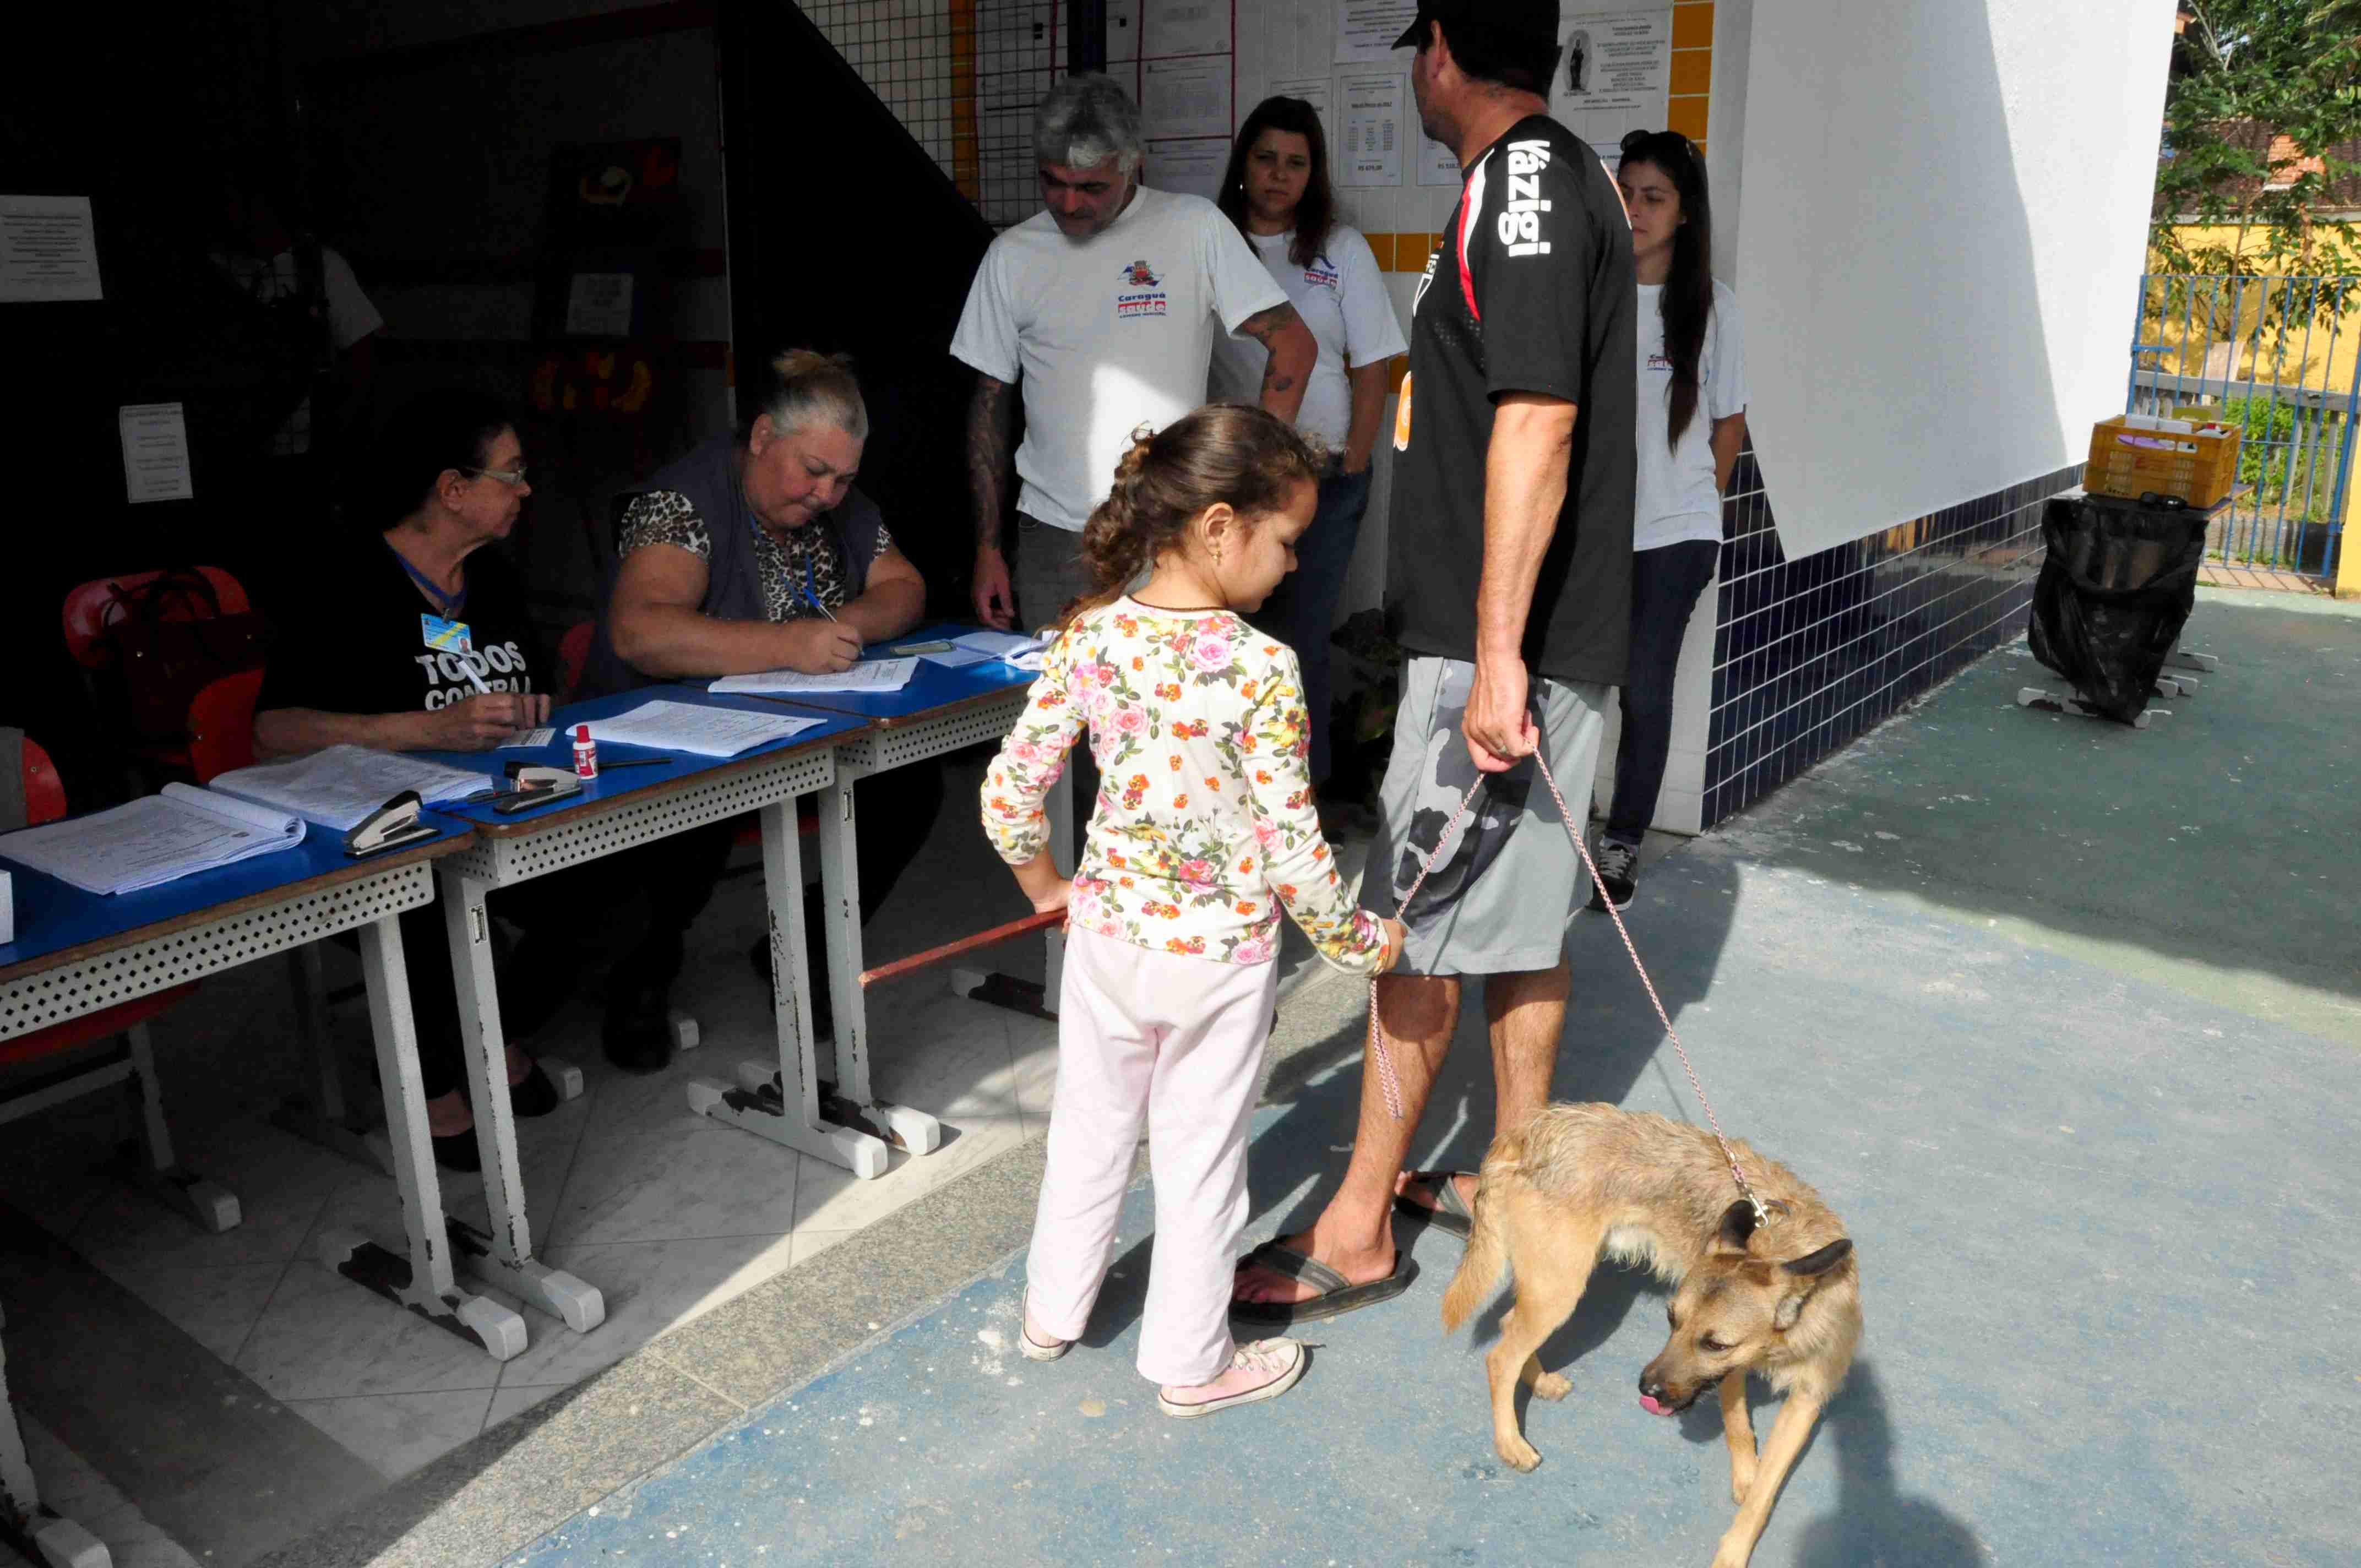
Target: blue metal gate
x=2281 y=359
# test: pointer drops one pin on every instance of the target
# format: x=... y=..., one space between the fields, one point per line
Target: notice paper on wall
x=1437 y=164
x=1614 y=73
x=1190 y=168
x=598 y=304
x=48 y=249
x=1376 y=128
x=1185 y=98
x=1183 y=26
x=1313 y=90
x=1365 y=30
x=155 y=452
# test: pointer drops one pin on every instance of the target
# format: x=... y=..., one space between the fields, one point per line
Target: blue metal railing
x=2261 y=354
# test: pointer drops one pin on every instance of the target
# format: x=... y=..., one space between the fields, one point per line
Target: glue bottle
x=586 y=753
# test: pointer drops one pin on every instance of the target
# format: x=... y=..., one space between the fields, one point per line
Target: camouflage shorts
x=1500 y=901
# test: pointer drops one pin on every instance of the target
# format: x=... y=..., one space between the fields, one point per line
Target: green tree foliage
x=2243 y=71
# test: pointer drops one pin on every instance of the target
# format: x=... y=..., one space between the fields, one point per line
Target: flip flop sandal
x=1337 y=1294
x=1450 y=1214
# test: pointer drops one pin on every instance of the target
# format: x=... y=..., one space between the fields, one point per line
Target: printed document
x=878 y=675
x=706 y=731
x=339 y=786
x=153 y=839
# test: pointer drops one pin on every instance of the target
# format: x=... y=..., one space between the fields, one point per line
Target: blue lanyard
x=451 y=604
x=811 y=588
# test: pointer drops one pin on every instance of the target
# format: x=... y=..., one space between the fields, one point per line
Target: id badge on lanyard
x=445 y=636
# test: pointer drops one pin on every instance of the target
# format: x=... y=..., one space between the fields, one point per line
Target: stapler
x=389 y=826
x=529 y=776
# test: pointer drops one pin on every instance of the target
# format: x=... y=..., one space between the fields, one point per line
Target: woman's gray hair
x=807 y=385
x=1085 y=120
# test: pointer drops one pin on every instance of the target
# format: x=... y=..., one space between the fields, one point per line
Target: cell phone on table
x=513 y=801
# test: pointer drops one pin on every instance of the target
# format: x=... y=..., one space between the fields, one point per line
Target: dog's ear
x=1737 y=1225
x=1820 y=1262
x=1807 y=1271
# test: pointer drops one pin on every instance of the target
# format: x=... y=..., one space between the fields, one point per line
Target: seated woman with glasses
x=356 y=662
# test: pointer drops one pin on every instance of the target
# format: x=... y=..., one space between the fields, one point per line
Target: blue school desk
x=941 y=710
x=78 y=952
x=621 y=809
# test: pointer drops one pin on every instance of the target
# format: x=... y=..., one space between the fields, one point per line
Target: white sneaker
x=1262 y=1370
x=1027 y=1346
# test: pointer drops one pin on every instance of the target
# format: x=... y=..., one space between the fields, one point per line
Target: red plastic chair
x=133 y=1061
x=573 y=655
x=92 y=609
x=220 y=725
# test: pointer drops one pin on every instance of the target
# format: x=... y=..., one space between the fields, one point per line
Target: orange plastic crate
x=2123 y=464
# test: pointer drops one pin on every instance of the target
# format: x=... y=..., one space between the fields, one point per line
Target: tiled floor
x=669 y=1214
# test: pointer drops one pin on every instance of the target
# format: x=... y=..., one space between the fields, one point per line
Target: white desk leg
x=840 y=875
x=505 y=1258
x=998 y=990
x=213 y=1206
x=760 y=1103
x=422 y=1280
x=320 y=1114
x=37 y=1534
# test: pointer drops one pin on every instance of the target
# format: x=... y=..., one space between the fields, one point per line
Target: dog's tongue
x=1650 y=1403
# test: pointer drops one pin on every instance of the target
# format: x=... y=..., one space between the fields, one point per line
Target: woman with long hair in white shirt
x=1277 y=191
x=1690 y=423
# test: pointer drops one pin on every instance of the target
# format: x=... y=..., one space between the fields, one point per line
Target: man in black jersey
x=1510 y=565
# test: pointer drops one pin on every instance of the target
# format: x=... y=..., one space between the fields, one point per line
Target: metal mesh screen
x=962 y=76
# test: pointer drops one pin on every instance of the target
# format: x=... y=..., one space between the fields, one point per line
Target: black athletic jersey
x=1529 y=290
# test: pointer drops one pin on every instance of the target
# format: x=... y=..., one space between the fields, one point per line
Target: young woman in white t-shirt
x=1690 y=423
x=1277 y=191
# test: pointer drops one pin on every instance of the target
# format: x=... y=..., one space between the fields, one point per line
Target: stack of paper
x=153 y=839
x=876 y=675
x=342 y=785
x=1009 y=647
x=707 y=731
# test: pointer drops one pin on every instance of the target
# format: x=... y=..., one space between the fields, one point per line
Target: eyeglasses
x=505 y=476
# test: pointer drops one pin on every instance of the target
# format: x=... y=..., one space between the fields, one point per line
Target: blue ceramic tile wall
x=1810 y=652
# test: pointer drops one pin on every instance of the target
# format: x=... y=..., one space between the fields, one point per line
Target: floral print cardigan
x=1204 y=827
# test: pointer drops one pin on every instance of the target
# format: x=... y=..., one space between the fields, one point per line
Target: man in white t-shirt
x=1105 y=307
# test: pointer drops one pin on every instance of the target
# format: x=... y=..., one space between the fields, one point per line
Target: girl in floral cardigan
x=1203 y=831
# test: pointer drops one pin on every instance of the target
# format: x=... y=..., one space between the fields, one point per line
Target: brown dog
x=1579 y=1182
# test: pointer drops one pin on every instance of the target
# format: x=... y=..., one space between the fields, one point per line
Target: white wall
x=1944 y=211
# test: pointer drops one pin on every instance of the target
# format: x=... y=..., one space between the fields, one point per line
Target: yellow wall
x=2324 y=358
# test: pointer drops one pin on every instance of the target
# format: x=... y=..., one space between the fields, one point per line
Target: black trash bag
x=2119 y=581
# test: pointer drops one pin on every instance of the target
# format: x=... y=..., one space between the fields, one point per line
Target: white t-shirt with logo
x=1674 y=498
x=1342 y=298
x=1105 y=334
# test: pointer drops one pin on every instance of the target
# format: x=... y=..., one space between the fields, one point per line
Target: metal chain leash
x=1391 y=1085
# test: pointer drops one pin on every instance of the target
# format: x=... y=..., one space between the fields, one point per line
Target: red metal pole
x=997 y=935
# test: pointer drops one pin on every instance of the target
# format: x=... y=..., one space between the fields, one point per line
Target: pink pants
x=1175 y=1042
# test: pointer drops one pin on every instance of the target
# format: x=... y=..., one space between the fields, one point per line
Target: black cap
x=1534 y=19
